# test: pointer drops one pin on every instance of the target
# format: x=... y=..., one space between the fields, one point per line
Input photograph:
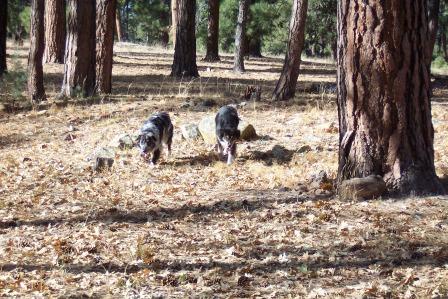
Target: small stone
x=281 y=153
x=122 y=141
x=208 y=103
x=190 y=131
x=103 y=158
x=362 y=188
x=304 y=149
x=185 y=105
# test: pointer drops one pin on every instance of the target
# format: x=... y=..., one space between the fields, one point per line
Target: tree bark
x=3 y=29
x=384 y=106
x=433 y=25
x=240 y=33
x=36 y=89
x=105 y=18
x=118 y=25
x=55 y=31
x=444 y=45
x=212 y=54
x=184 y=64
x=286 y=85
x=174 y=20
x=79 y=72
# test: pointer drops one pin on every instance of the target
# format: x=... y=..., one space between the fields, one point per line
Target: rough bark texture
x=184 y=64
x=212 y=54
x=3 y=23
x=36 y=89
x=240 y=33
x=286 y=85
x=174 y=20
x=433 y=25
x=118 y=25
x=105 y=18
x=55 y=31
x=384 y=95
x=79 y=72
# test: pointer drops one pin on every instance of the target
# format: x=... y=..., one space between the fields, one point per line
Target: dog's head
x=146 y=142
x=228 y=138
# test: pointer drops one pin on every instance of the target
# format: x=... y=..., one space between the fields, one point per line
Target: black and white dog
x=156 y=132
x=227 y=132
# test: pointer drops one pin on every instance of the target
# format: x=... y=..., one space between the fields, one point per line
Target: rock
x=362 y=188
x=304 y=149
x=281 y=154
x=122 y=141
x=185 y=105
x=247 y=130
x=320 y=177
x=207 y=129
x=190 y=131
x=208 y=103
x=103 y=158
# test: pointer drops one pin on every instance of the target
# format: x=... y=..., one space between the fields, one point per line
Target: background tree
x=433 y=26
x=79 y=71
x=286 y=85
x=384 y=95
x=105 y=19
x=184 y=64
x=3 y=24
x=174 y=20
x=212 y=31
x=55 y=31
x=118 y=25
x=238 y=64
x=36 y=89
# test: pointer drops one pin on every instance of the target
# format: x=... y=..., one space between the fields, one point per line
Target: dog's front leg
x=155 y=157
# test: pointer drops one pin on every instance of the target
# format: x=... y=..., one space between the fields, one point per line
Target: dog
x=227 y=132
x=156 y=132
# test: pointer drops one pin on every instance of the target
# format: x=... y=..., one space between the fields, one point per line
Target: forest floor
x=195 y=227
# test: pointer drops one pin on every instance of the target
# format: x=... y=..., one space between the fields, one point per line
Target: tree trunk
x=384 y=104
x=433 y=25
x=212 y=31
x=174 y=17
x=184 y=64
x=3 y=24
x=240 y=34
x=444 y=45
x=79 y=72
x=36 y=89
x=105 y=17
x=286 y=85
x=55 y=31
x=118 y=25
x=254 y=47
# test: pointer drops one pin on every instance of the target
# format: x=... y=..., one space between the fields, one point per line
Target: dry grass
x=194 y=227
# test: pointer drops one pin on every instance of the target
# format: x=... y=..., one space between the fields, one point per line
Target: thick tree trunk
x=254 y=47
x=105 y=17
x=240 y=33
x=36 y=89
x=174 y=17
x=55 y=31
x=444 y=45
x=79 y=72
x=433 y=25
x=384 y=104
x=118 y=25
x=212 y=31
x=184 y=64
x=286 y=85
x=3 y=24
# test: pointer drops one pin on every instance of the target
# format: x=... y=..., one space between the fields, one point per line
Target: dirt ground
x=193 y=226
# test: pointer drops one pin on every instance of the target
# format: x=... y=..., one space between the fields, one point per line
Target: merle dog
x=227 y=132
x=157 y=130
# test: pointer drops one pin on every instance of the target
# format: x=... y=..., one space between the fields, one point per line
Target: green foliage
x=19 y=13
x=13 y=83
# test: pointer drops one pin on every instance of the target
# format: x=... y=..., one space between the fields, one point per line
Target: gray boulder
x=207 y=129
x=122 y=141
x=190 y=131
x=103 y=158
x=362 y=188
